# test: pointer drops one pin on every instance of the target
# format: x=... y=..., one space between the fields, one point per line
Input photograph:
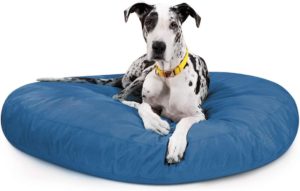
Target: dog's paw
x=176 y=147
x=156 y=124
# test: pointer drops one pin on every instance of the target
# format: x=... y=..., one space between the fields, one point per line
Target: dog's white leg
x=152 y=121
x=178 y=141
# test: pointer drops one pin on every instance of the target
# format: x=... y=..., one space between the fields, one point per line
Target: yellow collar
x=175 y=71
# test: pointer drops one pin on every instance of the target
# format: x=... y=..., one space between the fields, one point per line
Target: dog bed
x=251 y=122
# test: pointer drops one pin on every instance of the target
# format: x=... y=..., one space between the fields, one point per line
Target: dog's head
x=162 y=27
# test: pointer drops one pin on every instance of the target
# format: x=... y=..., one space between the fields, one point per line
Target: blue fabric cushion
x=251 y=122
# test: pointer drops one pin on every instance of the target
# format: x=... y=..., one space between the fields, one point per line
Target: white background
x=68 y=38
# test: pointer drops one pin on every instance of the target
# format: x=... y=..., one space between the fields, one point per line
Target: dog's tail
x=116 y=82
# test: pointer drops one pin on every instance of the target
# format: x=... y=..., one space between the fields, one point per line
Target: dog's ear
x=141 y=9
x=184 y=10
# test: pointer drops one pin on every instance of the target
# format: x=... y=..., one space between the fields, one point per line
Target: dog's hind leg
x=116 y=82
x=136 y=85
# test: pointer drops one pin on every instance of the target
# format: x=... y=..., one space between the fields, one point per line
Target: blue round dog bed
x=251 y=122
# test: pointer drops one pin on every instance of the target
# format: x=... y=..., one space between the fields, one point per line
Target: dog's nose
x=159 y=47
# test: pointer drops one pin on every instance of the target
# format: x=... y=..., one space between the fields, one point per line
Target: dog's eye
x=173 y=25
x=148 y=22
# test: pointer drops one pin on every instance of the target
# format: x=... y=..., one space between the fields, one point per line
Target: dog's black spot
x=193 y=60
x=157 y=110
x=148 y=63
x=137 y=94
x=177 y=37
x=132 y=78
x=190 y=83
x=150 y=21
x=205 y=112
x=205 y=72
x=148 y=91
x=89 y=80
x=141 y=67
x=186 y=65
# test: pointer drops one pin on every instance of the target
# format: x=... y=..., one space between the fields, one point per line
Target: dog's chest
x=175 y=96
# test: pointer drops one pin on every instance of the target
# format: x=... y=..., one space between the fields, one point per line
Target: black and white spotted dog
x=172 y=81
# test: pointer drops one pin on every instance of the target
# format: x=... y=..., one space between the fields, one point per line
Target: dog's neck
x=178 y=55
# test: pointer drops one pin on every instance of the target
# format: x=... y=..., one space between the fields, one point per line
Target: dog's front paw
x=156 y=124
x=176 y=148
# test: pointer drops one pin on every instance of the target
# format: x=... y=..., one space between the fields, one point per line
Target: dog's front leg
x=152 y=121
x=178 y=141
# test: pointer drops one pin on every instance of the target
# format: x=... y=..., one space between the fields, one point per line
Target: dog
x=169 y=80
